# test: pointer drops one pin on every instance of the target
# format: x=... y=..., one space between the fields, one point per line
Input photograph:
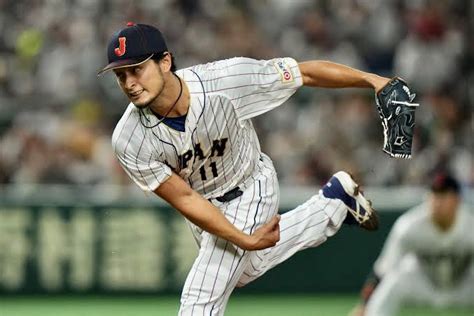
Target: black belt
x=230 y=195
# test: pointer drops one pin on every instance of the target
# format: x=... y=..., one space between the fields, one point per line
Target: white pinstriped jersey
x=219 y=148
x=444 y=257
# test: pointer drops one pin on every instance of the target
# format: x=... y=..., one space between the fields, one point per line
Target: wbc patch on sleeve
x=285 y=71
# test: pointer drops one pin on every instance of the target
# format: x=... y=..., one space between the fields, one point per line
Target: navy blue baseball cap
x=134 y=45
x=444 y=182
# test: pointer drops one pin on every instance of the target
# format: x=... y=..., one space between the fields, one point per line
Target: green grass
x=149 y=306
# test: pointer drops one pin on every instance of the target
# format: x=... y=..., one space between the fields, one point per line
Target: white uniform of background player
x=421 y=264
x=217 y=153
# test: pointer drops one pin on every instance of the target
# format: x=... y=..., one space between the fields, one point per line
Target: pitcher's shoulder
x=125 y=126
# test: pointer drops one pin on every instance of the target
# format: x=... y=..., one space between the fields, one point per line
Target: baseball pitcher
x=187 y=136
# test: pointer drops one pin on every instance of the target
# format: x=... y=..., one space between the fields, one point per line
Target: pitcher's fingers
x=277 y=231
x=275 y=220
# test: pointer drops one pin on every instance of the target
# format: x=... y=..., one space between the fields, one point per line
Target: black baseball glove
x=394 y=103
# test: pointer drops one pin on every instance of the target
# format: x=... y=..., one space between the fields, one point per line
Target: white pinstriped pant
x=221 y=266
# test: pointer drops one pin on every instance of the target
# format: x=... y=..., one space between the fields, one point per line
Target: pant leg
x=406 y=285
x=308 y=225
x=462 y=294
x=212 y=277
x=220 y=264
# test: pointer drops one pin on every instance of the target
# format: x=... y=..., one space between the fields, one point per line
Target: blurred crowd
x=56 y=116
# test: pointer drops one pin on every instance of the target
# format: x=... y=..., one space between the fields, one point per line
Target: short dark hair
x=159 y=57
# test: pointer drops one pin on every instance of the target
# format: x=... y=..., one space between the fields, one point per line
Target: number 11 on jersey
x=202 y=171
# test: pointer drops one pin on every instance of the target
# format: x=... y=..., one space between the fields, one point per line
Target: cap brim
x=124 y=63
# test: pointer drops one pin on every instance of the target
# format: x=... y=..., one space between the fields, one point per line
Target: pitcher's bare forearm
x=325 y=74
x=207 y=216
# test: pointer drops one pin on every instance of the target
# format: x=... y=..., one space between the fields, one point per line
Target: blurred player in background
x=187 y=136
x=428 y=257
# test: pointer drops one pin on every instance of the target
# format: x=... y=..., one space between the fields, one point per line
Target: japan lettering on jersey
x=219 y=148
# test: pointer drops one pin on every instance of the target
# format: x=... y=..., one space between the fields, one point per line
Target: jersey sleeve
x=137 y=159
x=254 y=86
x=393 y=250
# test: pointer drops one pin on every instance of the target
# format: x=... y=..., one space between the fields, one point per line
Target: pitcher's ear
x=166 y=62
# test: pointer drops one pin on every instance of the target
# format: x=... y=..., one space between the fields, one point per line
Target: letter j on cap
x=120 y=51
